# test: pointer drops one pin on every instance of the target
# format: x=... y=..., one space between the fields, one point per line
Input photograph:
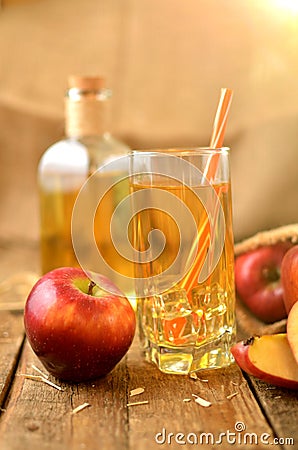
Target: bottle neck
x=86 y=113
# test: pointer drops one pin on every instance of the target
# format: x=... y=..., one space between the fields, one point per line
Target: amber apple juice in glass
x=186 y=321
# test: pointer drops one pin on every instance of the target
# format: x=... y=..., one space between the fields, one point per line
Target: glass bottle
x=64 y=168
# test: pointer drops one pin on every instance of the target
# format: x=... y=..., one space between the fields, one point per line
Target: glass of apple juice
x=182 y=238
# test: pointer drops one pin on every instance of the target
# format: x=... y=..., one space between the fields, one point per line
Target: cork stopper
x=86 y=106
x=93 y=83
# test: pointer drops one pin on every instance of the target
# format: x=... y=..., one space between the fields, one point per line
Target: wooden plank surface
x=281 y=407
x=11 y=340
x=168 y=411
x=39 y=416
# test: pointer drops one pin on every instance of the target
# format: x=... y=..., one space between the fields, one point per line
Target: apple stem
x=271 y=274
x=90 y=287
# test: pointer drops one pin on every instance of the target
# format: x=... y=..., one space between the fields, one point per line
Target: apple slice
x=292 y=330
x=269 y=358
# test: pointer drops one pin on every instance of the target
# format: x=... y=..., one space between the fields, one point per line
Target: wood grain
x=38 y=416
x=280 y=405
x=168 y=411
x=11 y=340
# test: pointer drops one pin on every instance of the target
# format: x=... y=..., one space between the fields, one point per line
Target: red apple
x=268 y=358
x=289 y=277
x=292 y=330
x=78 y=329
x=258 y=284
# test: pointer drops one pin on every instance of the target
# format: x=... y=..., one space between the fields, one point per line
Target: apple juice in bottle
x=64 y=168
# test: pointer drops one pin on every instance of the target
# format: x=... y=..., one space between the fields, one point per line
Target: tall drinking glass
x=184 y=261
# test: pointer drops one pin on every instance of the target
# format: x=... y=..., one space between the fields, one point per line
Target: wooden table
x=244 y=412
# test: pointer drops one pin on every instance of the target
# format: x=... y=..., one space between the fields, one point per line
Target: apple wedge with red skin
x=268 y=358
x=258 y=284
x=78 y=329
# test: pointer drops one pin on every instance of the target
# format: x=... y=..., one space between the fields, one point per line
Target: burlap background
x=166 y=61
